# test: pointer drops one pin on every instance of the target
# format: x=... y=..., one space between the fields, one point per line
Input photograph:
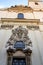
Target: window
x=20 y=15
x=19 y=44
x=36 y=3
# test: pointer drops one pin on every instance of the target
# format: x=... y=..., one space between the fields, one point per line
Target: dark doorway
x=19 y=61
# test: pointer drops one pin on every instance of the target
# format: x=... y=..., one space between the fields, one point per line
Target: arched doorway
x=19 y=58
x=19 y=61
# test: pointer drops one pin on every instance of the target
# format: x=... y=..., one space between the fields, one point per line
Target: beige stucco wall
x=36 y=54
x=4 y=36
x=6 y=14
x=37 y=7
x=28 y=15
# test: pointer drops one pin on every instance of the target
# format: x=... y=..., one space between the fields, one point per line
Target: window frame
x=19 y=47
x=20 y=14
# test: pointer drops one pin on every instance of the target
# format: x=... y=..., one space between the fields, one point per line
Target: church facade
x=21 y=34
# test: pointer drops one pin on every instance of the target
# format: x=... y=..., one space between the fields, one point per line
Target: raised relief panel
x=33 y=27
x=7 y=26
x=17 y=49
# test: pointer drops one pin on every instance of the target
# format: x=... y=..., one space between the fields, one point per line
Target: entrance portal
x=19 y=61
x=19 y=47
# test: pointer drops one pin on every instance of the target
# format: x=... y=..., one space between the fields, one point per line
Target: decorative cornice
x=16 y=20
x=20 y=9
x=19 y=34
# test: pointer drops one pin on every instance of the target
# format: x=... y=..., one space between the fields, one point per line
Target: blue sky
x=7 y=3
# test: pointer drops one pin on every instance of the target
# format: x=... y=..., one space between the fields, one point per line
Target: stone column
x=9 y=59
x=28 y=59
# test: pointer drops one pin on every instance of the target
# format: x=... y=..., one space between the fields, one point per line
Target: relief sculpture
x=19 y=47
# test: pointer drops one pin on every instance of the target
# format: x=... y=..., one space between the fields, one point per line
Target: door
x=19 y=61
